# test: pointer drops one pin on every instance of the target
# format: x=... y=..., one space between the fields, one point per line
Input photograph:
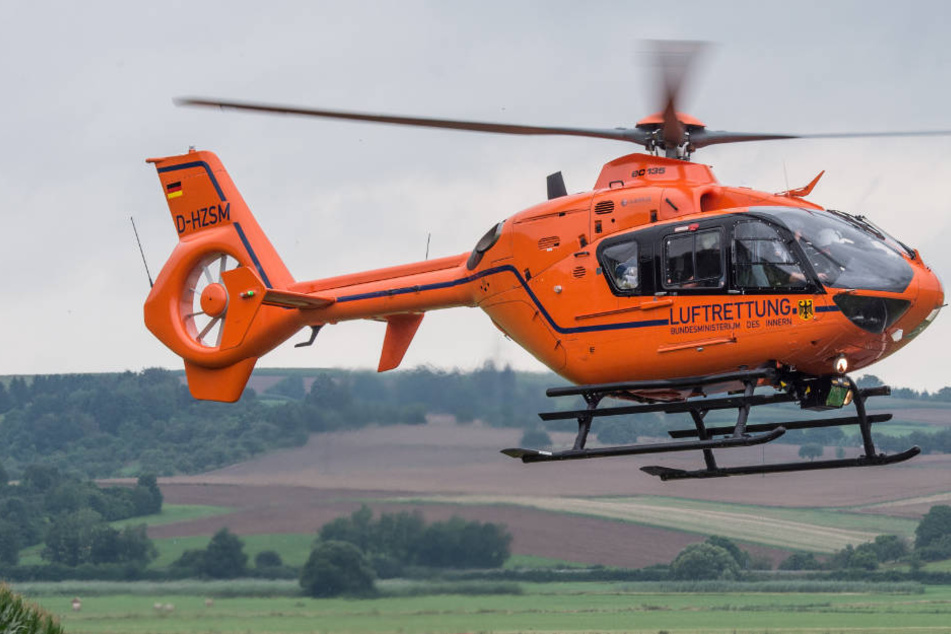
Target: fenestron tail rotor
x=205 y=299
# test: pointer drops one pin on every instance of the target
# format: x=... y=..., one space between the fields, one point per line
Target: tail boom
x=224 y=298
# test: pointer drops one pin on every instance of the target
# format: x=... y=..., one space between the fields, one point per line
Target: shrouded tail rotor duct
x=205 y=299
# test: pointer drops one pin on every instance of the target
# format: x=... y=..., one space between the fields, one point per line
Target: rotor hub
x=214 y=300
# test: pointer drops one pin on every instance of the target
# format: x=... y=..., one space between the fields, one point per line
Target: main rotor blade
x=632 y=135
x=674 y=60
x=703 y=138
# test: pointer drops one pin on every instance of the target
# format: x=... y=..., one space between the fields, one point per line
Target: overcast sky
x=88 y=91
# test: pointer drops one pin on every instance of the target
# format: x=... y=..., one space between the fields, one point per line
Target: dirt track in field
x=297 y=490
x=287 y=509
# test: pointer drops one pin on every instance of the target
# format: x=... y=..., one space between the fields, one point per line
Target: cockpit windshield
x=845 y=251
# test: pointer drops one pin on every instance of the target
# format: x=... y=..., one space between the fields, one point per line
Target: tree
x=146 y=496
x=397 y=536
x=461 y=544
x=336 y=568
x=40 y=478
x=933 y=526
x=191 y=562
x=890 y=547
x=800 y=561
x=291 y=386
x=740 y=556
x=810 y=451
x=868 y=380
x=6 y=401
x=70 y=537
x=354 y=529
x=268 y=559
x=616 y=432
x=4 y=478
x=224 y=557
x=535 y=438
x=9 y=543
x=134 y=545
x=704 y=561
x=864 y=557
x=104 y=545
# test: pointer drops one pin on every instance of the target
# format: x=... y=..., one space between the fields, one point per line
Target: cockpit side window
x=620 y=265
x=693 y=260
x=762 y=260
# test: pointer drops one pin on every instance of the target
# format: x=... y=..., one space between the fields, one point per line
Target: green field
x=574 y=607
x=294 y=548
x=172 y=513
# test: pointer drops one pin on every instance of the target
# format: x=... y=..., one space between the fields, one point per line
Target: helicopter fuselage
x=543 y=276
x=659 y=272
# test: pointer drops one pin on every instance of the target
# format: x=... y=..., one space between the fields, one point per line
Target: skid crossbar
x=788 y=388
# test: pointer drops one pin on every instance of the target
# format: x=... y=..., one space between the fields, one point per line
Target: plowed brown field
x=297 y=490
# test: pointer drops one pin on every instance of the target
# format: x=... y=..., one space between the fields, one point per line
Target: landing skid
x=688 y=395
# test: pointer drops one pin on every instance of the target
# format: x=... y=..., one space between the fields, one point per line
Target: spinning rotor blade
x=673 y=60
x=703 y=138
x=617 y=134
x=675 y=133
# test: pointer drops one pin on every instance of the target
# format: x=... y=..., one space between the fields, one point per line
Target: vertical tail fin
x=206 y=304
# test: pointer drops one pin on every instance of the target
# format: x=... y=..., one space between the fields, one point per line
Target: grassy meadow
x=557 y=607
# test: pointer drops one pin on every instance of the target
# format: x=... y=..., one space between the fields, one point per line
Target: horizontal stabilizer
x=289 y=299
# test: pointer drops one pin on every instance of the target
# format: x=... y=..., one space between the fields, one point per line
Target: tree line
x=720 y=558
x=351 y=551
x=71 y=518
x=108 y=425
x=105 y=425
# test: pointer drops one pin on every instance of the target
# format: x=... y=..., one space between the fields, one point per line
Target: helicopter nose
x=930 y=298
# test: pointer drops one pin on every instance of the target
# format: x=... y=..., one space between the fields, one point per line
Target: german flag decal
x=173 y=190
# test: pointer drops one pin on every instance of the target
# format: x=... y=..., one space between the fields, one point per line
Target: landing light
x=841 y=365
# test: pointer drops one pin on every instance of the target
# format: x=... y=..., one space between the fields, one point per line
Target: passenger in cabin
x=625 y=274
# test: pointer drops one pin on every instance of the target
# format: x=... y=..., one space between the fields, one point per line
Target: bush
x=704 y=561
x=461 y=544
x=535 y=438
x=224 y=558
x=336 y=568
x=890 y=547
x=268 y=559
x=397 y=540
x=933 y=526
x=936 y=550
x=800 y=561
x=741 y=557
x=810 y=451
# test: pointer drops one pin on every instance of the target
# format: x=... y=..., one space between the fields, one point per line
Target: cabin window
x=693 y=260
x=762 y=259
x=619 y=262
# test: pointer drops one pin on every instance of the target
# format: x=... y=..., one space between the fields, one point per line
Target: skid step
x=533 y=455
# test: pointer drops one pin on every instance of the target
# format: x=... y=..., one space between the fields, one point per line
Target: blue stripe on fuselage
x=504 y=269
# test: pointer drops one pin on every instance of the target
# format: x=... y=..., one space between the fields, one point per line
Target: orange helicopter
x=660 y=287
